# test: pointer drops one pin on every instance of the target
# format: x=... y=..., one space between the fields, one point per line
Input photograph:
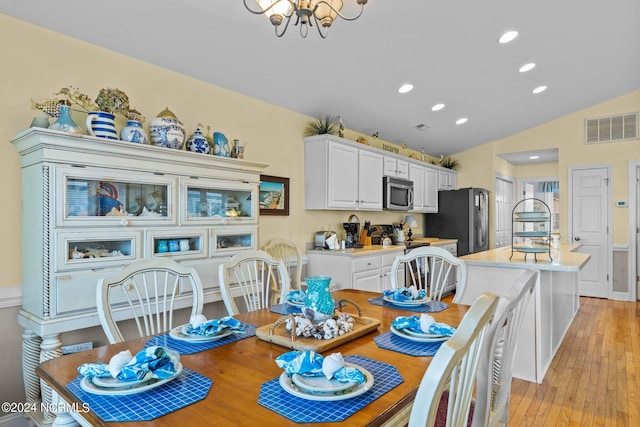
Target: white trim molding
x=11 y=296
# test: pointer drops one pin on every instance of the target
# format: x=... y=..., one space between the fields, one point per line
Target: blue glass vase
x=64 y=122
x=318 y=303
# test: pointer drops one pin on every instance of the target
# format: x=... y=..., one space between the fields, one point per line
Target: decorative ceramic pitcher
x=318 y=304
x=100 y=123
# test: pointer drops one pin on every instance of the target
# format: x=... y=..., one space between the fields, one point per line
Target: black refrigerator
x=464 y=215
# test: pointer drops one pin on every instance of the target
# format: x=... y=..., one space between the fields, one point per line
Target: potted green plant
x=324 y=124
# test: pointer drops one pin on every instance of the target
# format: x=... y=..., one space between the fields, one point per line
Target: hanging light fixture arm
x=346 y=18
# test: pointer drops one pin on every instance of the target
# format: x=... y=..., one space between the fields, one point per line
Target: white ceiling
x=586 y=51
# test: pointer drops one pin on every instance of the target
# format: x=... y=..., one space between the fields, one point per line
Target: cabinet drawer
x=366 y=263
x=387 y=259
x=76 y=293
x=451 y=247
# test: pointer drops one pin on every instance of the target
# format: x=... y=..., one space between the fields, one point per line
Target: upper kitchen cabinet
x=425 y=187
x=447 y=180
x=396 y=168
x=339 y=174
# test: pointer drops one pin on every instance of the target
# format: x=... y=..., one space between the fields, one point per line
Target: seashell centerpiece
x=167 y=131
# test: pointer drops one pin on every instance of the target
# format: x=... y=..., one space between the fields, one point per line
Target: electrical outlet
x=75 y=348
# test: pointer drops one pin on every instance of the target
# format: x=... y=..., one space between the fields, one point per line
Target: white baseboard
x=10 y=296
x=15 y=420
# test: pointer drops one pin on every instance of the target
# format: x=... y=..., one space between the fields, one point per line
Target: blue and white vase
x=221 y=145
x=197 y=142
x=133 y=132
x=64 y=122
x=167 y=131
x=101 y=124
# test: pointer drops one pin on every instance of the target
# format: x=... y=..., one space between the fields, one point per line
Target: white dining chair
x=495 y=369
x=430 y=268
x=147 y=290
x=444 y=394
x=251 y=273
x=288 y=252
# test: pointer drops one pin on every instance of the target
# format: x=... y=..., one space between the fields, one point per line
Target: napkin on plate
x=424 y=323
x=312 y=364
x=296 y=296
x=199 y=325
x=151 y=362
x=405 y=294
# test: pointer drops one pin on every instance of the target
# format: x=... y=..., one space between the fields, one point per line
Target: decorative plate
x=407 y=303
x=416 y=336
x=180 y=333
x=359 y=388
x=135 y=387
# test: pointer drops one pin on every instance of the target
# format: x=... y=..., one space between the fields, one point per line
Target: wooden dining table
x=238 y=369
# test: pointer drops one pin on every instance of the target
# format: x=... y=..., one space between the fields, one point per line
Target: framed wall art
x=274 y=195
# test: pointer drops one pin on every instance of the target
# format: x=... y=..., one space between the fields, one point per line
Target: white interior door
x=590 y=226
x=504 y=202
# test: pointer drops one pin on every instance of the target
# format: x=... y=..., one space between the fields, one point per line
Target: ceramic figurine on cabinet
x=221 y=145
x=197 y=142
x=167 y=131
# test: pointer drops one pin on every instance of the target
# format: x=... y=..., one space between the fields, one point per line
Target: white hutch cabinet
x=91 y=205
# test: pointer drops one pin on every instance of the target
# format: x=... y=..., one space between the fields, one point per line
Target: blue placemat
x=185 y=347
x=429 y=307
x=390 y=341
x=285 y=308
x=187 y=388
x=273 y=397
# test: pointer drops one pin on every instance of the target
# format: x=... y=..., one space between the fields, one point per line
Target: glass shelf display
x=187 y=243
x=96 y=249
x=204 y=202
x=90 y=197
x=234 y=240
x=531 y=228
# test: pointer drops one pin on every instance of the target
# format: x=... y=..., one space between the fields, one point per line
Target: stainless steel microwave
x=397 y=194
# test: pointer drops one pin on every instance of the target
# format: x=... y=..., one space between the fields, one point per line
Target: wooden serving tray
x=281 y=336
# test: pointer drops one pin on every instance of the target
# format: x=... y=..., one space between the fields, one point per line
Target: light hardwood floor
x=594 y=379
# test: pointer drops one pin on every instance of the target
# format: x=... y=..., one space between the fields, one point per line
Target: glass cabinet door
x=129 y=198
x=219 y=202
x=226 y=240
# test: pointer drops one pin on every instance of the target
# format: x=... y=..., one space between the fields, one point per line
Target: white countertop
x=564 y=259
x=379 y=249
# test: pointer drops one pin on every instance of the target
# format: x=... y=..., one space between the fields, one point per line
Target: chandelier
x=308 y=13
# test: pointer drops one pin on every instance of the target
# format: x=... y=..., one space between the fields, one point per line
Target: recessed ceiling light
x=461 y=120
x=527 y=67
x=507 y=37
x=407 y=87
x=534 y=157
x=437 y=107
x=539 y=89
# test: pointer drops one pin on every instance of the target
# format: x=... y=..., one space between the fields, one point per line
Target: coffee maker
x=352 y=229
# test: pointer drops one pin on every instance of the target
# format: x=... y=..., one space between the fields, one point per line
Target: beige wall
x=566 y=134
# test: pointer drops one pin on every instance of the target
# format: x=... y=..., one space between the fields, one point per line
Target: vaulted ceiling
x=585 y=51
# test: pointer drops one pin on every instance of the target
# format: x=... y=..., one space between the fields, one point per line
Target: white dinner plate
x=179 y=333
x=359 y=388
x=111 y=382
x=415 y=337
x=422 y=334
x=296 y=303
x=408 y=303
x=89 y=386
x=321 y=383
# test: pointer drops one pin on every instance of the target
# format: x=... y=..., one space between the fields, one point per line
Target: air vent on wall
x=611 y=128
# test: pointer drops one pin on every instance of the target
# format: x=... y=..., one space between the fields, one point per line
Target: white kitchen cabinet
x=425 y=187
x=417 y=175
x=396 y=168
x=447 y=180
x=340 y=175
x=370 y=272
x=450 y=286
x=430 y=190
x=91 y=205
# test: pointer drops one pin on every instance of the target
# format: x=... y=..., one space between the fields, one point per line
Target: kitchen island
x=549 y=312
